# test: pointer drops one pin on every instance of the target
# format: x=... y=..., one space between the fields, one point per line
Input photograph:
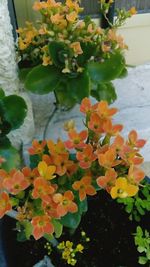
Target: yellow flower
x=46 y=171
x=132 y=11
x=80 y=248
x=21 y=44
x=77 y=48
x=68 y=125
x=46 y=60
x=61 y=245
x=123 y=189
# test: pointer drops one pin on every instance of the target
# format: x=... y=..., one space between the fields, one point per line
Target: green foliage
x=42 y=80
x=142 y=241
x=24 y=230
x=11 y=156
x=13 y=110
x=138 y=205
x=71 y=88
x=104 y=91
x=58 y=52
x=72 y=220
x=108 y=70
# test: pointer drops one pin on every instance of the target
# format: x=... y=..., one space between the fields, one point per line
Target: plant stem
x=49 y=120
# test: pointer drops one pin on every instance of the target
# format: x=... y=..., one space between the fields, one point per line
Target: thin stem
x=49 y=120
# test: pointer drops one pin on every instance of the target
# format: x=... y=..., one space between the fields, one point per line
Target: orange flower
x=86 y=157
x=108 y=159
x=46 y=171
x=130 y=155
x=62 y=163
x=65 y=203
x=134 y=141
x=118 y=143
x=73 y=5
x=3 y=175
x=108 y=180
x=95 y=123
x=42 y=225
x=111 y=129
x=5 y=204
x=42 y=189
x=16 y=183
x=123 y=189
x=104 y=111
x=86 y=106
x=76 y=139
x=58 y=148
x=135 y=175
x=84 y=187
x=29 y=174
x=37 y=147
x=50 y=208
x=72 y=16
x=56 y=19
x=76 y=48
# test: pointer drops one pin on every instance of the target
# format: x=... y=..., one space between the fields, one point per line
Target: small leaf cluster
x=138 y=205
x=142 y=241
x=13 y=110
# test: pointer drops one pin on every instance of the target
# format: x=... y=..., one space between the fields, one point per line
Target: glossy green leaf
x=71 y=220
x=58 y=228
x=73 y=90
x=15 y=110
x=58 y=52
x=42 y=79
x=12 y=158
x=23 y=73
x=89 y=49
x=107 y=70
x=104 y=91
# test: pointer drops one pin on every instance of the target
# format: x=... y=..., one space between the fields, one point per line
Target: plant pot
x=106 y=224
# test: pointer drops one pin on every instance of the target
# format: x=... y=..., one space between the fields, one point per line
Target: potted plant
x=92 y=168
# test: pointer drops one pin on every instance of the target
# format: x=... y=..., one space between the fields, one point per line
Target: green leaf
x=141 y=249
x=23 y=73
x=104 y=91
x=58 y=52
x=139 y=231
x=71 y=220
x=89 y=49
x=123 y=73
x=2 y=94
x=148 y=255
x=12 y=158
x=58 y=228
x=82 y=206
x=73 y=90
x=28 y=229
x=142 y=260
x=15 y=110
x=42 y=79
x=107 y=70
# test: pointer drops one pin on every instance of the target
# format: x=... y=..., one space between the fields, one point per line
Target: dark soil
x=111 y=238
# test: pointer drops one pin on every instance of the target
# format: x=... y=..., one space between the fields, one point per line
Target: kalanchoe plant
x=13 y=110
x=73 y=58
x=52 y=192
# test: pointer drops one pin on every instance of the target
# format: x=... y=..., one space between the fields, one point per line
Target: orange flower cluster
x=65 y=173
x=61 y=23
